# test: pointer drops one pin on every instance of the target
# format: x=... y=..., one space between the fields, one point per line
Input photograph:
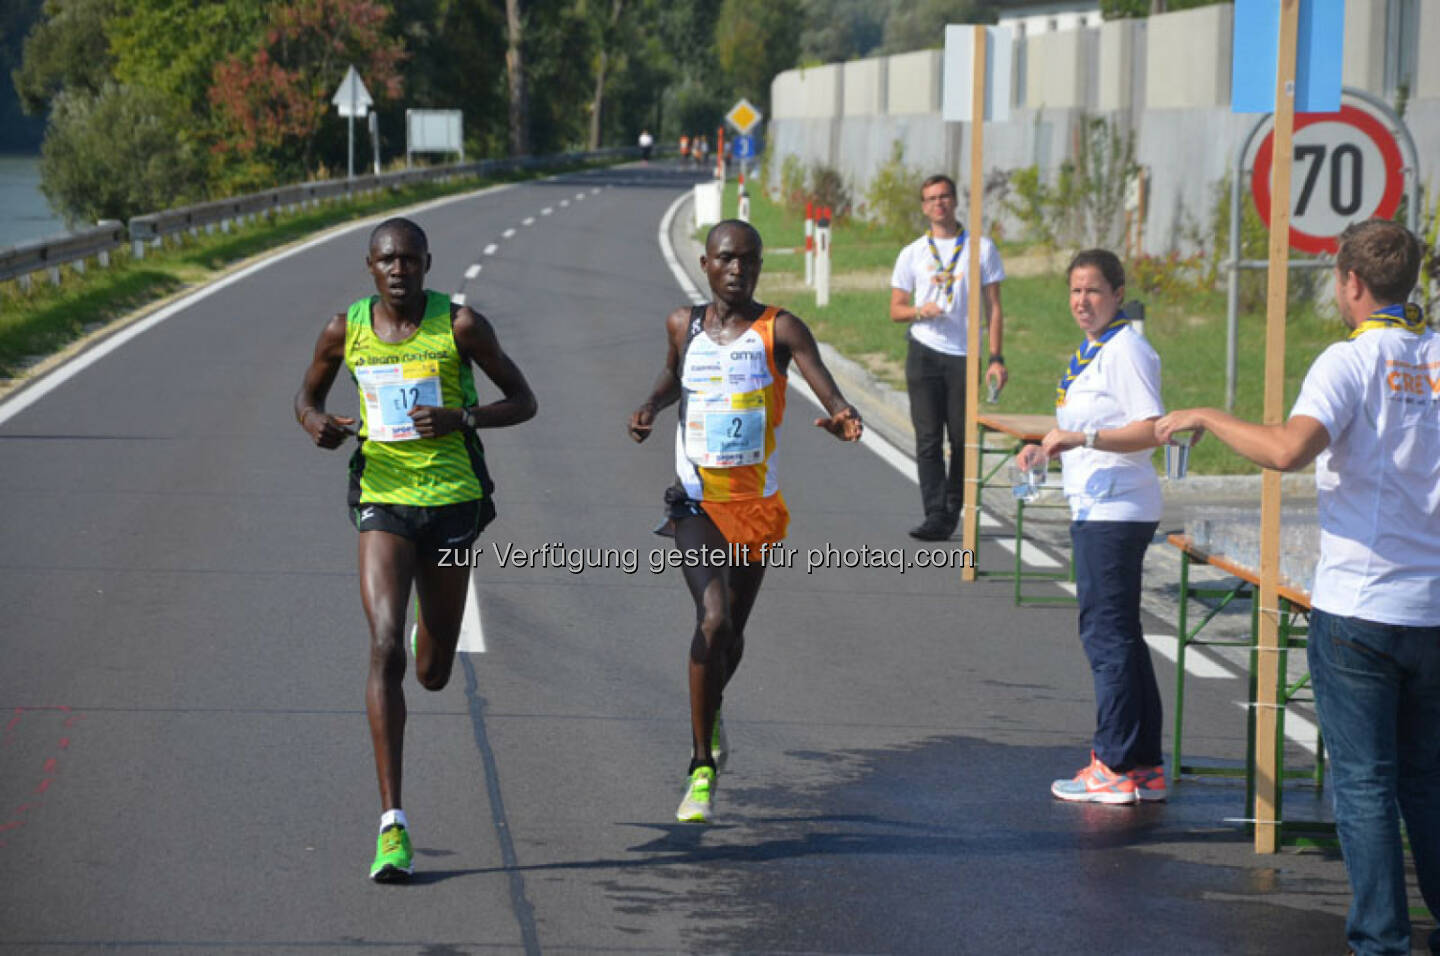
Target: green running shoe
x=698 y=805
x=719 y=742
x=394 y=862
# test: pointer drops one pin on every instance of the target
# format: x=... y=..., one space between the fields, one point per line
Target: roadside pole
x=1267 y=786
x=822 y=259
x=810 y=244
x=970 y=533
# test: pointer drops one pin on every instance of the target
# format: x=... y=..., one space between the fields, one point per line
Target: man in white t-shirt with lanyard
x=929 y=289
x=1368 y=415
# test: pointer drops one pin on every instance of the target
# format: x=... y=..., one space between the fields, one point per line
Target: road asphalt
x=186 y=762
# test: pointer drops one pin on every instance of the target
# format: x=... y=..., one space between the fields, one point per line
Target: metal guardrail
x=20 y=262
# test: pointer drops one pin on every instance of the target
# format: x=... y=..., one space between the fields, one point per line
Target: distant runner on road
x=726 y=365
x=419 y=488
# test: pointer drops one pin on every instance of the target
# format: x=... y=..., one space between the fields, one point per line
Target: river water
x=24 y=212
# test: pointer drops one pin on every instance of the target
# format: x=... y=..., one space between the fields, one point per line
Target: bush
x=828 y=188
x=792 y=181
x=894 y=196
x=116 y=155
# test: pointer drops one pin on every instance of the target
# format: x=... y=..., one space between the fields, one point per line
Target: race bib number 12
x=391 y=391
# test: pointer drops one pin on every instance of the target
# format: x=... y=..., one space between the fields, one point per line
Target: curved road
x=185 y=764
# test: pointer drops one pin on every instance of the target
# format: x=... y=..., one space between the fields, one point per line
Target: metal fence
x=48 y=255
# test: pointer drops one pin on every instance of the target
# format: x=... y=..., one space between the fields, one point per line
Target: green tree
x=114 y=154
x=920 y=24
x=456 y=60
x=1119 y=9
x=66 y=50
x=754 y=40
x=272 y=102
x=838 y=30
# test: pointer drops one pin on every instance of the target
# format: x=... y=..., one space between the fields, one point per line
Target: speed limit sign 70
x=1347 y=167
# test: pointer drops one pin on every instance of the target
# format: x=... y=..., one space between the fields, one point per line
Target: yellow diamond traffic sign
x=743 y=116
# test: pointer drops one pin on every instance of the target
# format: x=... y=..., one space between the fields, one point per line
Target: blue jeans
x=1377 y=693
x=1109 y=556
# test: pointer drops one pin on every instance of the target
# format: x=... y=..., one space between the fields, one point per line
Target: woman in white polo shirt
x=1106 y=403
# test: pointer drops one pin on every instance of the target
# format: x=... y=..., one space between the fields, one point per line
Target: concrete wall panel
x=1427 y=71
x=864 y=86
x=1056 y=70
x=821 y=91
x=1187 y=61
x=1120 y=47
x=914 y=83
x=1363 y=64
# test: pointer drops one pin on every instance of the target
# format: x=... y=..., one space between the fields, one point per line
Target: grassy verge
x=1188 y=331
x=47 y=317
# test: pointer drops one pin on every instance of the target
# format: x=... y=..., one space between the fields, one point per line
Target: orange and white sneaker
x=1150 y=783
x=1097 y=783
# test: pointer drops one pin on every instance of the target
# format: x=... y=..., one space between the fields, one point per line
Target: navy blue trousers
x=1109 y=556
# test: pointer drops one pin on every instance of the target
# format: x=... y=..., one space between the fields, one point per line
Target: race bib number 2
x=725 y=431
x=391 y=391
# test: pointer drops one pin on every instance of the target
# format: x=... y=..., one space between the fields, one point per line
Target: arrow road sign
x=352 y=98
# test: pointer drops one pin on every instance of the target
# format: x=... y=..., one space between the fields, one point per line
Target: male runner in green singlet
x=419 y=489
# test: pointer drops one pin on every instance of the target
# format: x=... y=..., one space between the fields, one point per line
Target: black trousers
x=936 y=383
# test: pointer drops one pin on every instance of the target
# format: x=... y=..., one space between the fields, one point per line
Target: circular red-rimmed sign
x=1347 y=168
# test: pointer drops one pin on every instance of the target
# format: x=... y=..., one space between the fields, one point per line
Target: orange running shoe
x=1097 y=783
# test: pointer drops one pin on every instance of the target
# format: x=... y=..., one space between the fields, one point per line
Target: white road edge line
x=473 y=271
x=47 y=383
x=472 y=636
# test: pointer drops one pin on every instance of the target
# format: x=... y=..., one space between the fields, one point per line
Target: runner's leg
x=387 y=566
x=744 y=588
x=713 y=640
x=442 y=592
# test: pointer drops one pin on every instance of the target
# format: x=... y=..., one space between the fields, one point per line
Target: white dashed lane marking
x=458 y=298
x=528 y=221
x=473 y=271
x=490 y=249
x=564 y=202
x=546 y=211
x=508 y=233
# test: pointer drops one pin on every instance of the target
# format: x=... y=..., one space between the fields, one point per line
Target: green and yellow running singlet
x=394 y=465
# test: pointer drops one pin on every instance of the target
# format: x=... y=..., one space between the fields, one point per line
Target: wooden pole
x=1267 y=746
x=970 y=535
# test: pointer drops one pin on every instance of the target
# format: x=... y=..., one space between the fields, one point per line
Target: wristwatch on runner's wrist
x=1091 y=435
x=472 y=419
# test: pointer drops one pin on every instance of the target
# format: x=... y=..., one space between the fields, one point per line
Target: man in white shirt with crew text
x=1368 y=415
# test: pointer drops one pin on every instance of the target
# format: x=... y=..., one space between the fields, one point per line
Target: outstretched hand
x=326 y=430
x=1183 y=420
x=844 y=424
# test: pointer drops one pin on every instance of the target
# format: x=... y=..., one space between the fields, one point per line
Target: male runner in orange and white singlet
x=726 y=364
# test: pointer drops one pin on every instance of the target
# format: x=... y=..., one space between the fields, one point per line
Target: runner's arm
x=326 y=430
x=667 y=385
x=793 y=340
x=477 y=341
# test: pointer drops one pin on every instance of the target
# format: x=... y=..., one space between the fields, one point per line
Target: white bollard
x=810 y=245
x=822 y=260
